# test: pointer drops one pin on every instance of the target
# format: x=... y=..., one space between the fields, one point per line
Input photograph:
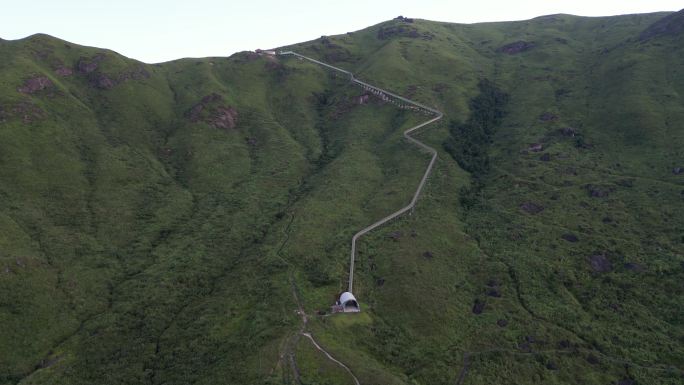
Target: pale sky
x=160 y=30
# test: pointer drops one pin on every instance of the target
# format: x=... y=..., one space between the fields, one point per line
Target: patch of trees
x=468 y=142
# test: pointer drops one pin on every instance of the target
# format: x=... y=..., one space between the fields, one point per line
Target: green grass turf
x=140 y=246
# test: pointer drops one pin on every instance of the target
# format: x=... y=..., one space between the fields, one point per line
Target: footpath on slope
x=403 y=103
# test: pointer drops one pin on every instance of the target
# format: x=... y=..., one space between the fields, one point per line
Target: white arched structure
x=349 y=303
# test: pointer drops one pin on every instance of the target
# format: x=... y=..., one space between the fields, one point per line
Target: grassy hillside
x=156 y=219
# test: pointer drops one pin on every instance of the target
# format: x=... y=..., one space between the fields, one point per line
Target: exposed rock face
x=535 y=147
x=26 y=111
x=35 y=84
x=101 y=81
x=404 y=30
x=404 y=19
x=396 y=235
x=225 y=117
x=568 y=131
x=88 y=65
x=678 y=170
x=531 y=208
x=64 y=71
x=516 y=47
x=29 y=112
x=548 y=117
x=217 y=116
x=600 y=263
x=670 y=25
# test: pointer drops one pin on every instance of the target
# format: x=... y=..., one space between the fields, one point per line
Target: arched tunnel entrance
x=349 y=303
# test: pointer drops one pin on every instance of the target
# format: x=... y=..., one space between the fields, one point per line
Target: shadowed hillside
x=156 y=218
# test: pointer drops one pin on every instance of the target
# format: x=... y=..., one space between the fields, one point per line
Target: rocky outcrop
x=27 y=112
x=225 y=117
x=531 y=208
x=104 y=81
x=88 y=65
x=404 y=19
x=35 y=84
x=396 y=235
x=194 y=114
x=403 y=30
x=516 y=47
x=101 y=81
x=64 y=71
x=363 y=99
x=211 y=111
x=535 y=147
x=569 y=131
x=600 y=263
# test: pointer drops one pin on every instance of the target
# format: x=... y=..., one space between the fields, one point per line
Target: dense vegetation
x=469 y=141
x=157 y=220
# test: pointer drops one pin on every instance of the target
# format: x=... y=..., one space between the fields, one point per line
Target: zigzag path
x=403 y=103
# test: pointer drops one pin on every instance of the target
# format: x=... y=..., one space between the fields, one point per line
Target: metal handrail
x=407 y=135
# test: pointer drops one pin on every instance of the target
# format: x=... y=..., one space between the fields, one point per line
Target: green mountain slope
x=156 y=219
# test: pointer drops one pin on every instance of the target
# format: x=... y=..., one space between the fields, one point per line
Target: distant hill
x=156 y=219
